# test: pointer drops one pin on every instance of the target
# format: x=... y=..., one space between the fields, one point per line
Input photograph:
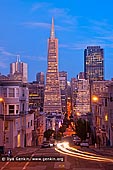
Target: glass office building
x=94 y=63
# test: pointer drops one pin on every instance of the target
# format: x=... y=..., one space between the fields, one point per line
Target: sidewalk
x=105 y=151
x=22 y=151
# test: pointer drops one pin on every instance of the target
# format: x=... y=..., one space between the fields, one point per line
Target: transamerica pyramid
x=52 y=97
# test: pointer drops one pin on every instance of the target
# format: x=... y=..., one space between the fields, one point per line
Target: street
x=72 y=162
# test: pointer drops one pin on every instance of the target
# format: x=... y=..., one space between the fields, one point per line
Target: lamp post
x=3 y=102
x=95 y=100
x=90 y=93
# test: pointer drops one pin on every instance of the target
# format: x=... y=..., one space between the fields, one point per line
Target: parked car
x=1 y=150
x=45 y=144
x=76 y=140
x=73 y=135
x=84 y=144
x=9 y=154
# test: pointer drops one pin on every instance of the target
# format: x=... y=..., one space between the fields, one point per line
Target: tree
x=71 y=122
x=82 y=128
x=71 y=118
x=62 y=129
x=66 y=121
x=48 y=133
x=58 y=135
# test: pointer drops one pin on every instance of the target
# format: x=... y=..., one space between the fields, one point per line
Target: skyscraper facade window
x=52 y=97
x=94 y=63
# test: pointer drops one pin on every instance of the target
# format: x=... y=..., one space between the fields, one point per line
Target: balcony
x=9 y=117
x=23 y=113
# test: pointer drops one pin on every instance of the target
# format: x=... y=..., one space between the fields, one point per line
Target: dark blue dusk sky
x=25 y=28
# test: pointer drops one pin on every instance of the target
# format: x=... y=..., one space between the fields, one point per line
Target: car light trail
x=66 y=149
x=88 y=153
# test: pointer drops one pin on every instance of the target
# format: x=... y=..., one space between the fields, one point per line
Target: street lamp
x=95 y=98
x=3 y=102
x=78 y=114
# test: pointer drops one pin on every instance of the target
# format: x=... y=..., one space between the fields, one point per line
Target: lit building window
x=18 y=140
x=106 y=117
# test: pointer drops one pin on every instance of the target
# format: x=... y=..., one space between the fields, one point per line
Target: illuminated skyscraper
x=18 y=70
x=52 y=97
x=94 y=63
x=63 y=90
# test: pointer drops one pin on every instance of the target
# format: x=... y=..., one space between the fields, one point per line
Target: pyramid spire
x=52 y=29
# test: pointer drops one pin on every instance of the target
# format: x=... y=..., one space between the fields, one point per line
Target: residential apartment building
x=39 y=128
x=110 y=113
x=100 y=107
x=16 y=123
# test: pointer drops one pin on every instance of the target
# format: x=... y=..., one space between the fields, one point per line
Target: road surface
x=70 y=162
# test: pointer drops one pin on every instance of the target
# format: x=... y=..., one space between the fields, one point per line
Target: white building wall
x=19 y=118
x=29 y=128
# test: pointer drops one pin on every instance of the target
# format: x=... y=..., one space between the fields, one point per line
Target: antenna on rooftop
x=18 y=58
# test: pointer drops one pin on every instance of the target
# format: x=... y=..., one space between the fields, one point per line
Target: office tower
x=74 y=91
x=52 y=97
x=94 y=63
x=18 y=70
x=36 y=95
x=63 y=90
x=83 y=97
x=69 y=99
x=40 y=78
x=80 y=76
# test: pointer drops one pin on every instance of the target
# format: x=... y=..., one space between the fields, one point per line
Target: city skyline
x=25 y=29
